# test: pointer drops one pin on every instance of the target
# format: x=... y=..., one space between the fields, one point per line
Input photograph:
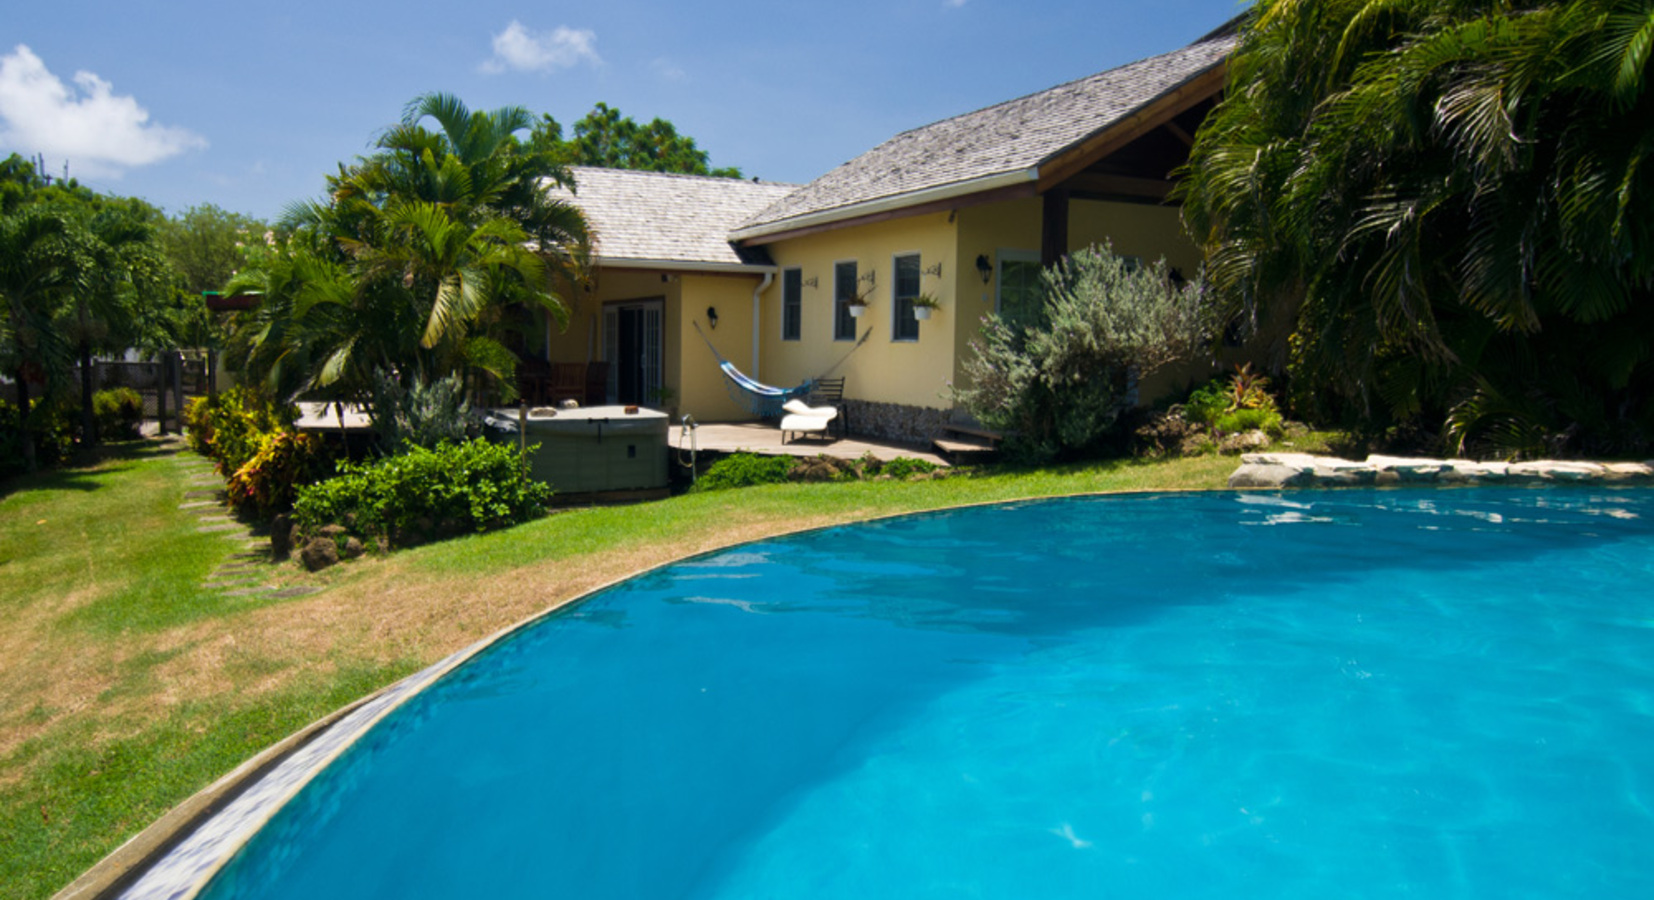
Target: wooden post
x=161 y=391
x=178 y=386
x=522 y=433
x=1054 y=227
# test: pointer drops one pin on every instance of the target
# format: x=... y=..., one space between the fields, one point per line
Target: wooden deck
x=765 y=439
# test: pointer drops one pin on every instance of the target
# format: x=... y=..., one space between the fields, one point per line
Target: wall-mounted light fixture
x=935 y=270
x=712 y=316
x=984 y=268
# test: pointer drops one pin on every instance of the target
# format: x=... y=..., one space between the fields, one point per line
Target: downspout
x=769 y=278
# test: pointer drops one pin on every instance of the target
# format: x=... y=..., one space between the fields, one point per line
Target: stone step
x=953 y=447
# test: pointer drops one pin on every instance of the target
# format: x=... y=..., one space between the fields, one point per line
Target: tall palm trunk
x=27 y=437
x=88 y=420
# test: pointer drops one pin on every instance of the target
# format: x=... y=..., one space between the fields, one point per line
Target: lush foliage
x=606 y=138
x=1057 y=381
x=740 y=470
x=903 y=467
x=285 y=462
x=1452 y=201
x=81 y=273
x=119 y=413
x=422 y=494
x=744 y=470
x=1241 y=402
x=49 y=427
x=230 y=426
x=412 y=266
x=424 y=415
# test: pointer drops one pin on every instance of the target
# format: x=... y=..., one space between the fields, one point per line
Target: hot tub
x=593 y=449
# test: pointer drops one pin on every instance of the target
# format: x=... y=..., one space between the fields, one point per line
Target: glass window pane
x=904 y=327
x=792 y=302
x=844 y=287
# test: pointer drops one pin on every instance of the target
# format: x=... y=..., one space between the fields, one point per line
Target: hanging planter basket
x=921 y=312
x=856 y=309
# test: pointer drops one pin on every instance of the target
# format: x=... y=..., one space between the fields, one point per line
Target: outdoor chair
x=802 y=419
x=829 y=392
x=568 y=382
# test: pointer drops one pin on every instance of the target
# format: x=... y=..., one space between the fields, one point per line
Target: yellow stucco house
x=962 y=211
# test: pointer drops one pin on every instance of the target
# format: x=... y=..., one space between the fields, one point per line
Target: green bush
x=744 y=470
x=1206 y=403
x=425 y=494
x=229 y=427
x=421 y=414
x=1058 y=381
x=286 y=461
x=1238 y=403
x=119 y=413
x=53 y=424
x=1265 y=420
x=903 y=467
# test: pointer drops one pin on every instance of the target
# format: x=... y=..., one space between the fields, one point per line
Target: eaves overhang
x=678 y=265
x=881 y=205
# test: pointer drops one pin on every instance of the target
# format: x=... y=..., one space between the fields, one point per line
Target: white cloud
x=668 y=70
x=99 y=133
x=526 y=51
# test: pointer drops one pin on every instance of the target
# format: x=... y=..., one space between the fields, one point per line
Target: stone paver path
x=247 y=572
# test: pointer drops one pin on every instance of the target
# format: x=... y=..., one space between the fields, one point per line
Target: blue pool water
x=1350 y=694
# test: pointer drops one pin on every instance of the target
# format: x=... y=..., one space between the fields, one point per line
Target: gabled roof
x=992 y=148
x=659 y=220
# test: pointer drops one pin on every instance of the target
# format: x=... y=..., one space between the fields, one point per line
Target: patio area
x=763 y=438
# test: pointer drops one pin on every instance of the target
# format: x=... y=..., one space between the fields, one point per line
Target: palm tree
x=1453 y=193
x=406 y=265
x=35 y=272
x=117 y=267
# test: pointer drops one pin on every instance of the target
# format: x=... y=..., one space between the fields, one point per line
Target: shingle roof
x=654 y=217
x=1012 y=137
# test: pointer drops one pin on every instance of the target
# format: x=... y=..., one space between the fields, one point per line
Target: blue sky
x=249 y=106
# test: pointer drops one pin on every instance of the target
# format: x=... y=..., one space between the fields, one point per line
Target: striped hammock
x=759 y=399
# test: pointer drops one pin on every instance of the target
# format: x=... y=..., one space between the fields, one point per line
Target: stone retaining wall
x=1282 y=470
x=895 y=421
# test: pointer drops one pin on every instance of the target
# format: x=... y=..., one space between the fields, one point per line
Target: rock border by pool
x=1294 y=470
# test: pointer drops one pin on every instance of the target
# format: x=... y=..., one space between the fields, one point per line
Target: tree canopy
x=1451 y=200
x=81 y=273
x=608 y=139
x=407 y=268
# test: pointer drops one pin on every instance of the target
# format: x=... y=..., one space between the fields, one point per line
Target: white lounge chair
x=801 y=418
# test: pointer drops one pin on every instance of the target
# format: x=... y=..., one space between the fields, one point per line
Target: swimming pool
x=1352 y=694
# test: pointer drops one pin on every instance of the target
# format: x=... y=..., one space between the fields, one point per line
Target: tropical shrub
x=1451 y=200
x=744 y=470
x=285 y=462
x=229 y=427
x=119 y=413
x=424 y=494
x=1241 y=402
x=1206 y=403
x=1058 y=381
x=421 y=414
x=1268 y=421
x=903 y=467
x=53 y=425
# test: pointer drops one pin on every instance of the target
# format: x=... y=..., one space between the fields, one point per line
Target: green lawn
x=127 y=684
